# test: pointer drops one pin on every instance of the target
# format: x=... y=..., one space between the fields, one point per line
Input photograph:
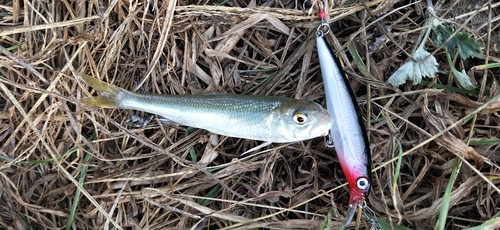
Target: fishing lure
x=348 y=132
x=266 y=118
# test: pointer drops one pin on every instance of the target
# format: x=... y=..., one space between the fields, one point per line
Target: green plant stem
x=427 y=33
x=83 y=173
x=445 y=205
x=398 y=165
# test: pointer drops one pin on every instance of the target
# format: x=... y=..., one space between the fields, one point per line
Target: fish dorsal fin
x=206 y=92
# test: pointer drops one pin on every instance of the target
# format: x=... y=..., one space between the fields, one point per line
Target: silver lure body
x=348 y=132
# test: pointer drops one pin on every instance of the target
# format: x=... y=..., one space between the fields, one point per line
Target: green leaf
x=463 y=79
x=487 y=66
x=422 y=64
x=327 y=222
x=211 y=194
x=488 y=141
x=489 y=224
x=387 y=225
x=442 y=34
x=398 y=165
x=466 y=45
x=14 y=46
x=359 y=61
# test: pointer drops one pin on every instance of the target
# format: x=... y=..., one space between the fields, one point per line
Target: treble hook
x=328 y=138
x=370 y=216
x=321 y=9
x=323 y=28
x=304 y=6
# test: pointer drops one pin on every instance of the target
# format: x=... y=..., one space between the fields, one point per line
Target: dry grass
x=58 y=155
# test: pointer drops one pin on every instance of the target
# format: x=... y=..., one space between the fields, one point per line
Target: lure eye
x=300 y=118
x=362 y=183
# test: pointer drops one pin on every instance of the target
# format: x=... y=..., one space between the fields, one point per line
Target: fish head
x=301 y=120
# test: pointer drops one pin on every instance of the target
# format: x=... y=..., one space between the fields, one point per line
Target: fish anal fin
x=167 y=121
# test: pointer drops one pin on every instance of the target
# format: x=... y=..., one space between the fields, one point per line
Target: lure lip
x=350 y=212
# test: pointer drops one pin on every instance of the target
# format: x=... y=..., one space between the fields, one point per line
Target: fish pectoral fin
x=138 y=122
x=257 y=147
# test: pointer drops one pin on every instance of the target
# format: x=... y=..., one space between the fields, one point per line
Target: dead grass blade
x=9 y=186
x=26 y=29
x=290 y=15
x=449 y=141
x=167 y=23
x=468 y=103
x=456 y=196
x=206 y=211
x=47 y=147
x=29 y=67
x=252 y=21
x=224 y=46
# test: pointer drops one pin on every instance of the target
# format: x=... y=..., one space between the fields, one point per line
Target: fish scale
x=188 y=111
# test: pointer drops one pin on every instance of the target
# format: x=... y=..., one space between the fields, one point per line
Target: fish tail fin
x=100 y=101
x=108 y=91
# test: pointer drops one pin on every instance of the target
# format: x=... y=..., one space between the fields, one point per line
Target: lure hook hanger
x=322 y=30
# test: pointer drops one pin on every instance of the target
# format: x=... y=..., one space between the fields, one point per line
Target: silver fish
x=266 y=118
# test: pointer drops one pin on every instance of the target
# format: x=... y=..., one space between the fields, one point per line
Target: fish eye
x=362 y=183
x=300 y=118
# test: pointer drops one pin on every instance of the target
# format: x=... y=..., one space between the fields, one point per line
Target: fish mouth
x=325 y=122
